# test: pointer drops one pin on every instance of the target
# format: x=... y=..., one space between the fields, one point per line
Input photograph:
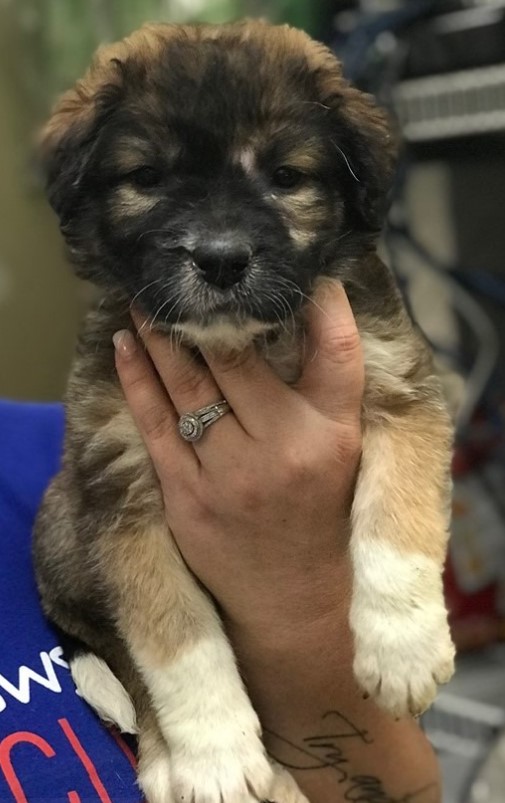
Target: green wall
x=40 y=302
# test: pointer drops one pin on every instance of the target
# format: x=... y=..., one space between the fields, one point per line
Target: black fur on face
x=213 y=173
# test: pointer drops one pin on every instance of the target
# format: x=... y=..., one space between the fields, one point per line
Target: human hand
x=259 y=506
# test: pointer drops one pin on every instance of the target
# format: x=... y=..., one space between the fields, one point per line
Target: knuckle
x=247 y=491
x=155 y=423
x=313 y=465
x=132 y=384
x=350 y=441
x=233 y=361
x=188 y=383
x=132 y=378
x=344 y=345
x=152 y=418
x=203 y=505
x=299 y=464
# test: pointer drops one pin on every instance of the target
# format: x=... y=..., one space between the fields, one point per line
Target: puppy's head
x=214 y=172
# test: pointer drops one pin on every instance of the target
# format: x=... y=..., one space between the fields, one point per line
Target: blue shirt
x=53 y=748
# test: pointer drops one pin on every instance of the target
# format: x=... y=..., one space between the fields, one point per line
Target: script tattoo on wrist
x=327 y=750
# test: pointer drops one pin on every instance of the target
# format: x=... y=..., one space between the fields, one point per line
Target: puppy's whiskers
x=146 y=287
x=174 y=300
x=315 y=103
x=287 y=312
x=344 y=235
x=291 y=285
x=346 y=160
x=279 y=311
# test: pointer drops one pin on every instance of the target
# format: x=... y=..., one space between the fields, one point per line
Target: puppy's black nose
x=222 y=260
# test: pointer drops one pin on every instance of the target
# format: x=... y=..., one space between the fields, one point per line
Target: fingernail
x=124 y=343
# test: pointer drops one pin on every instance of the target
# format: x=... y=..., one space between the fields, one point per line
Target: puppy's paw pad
x=401 y=658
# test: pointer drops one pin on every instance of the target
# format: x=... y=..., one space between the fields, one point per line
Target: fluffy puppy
x=216 y=175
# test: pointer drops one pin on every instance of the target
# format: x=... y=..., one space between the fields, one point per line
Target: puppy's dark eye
x=287 y=178
x=144 y=177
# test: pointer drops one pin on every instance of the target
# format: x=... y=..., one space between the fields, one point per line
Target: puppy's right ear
x=65 y=146
x=67 y=142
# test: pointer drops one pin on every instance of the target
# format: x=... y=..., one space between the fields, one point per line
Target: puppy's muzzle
x=222 y=261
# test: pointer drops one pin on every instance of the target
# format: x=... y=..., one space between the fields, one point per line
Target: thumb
x=333 y=374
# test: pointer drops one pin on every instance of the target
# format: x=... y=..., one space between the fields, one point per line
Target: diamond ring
x=192 y=425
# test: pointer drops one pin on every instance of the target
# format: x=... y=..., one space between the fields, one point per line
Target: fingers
x=260 y=400
x=332 y=379
x=150 y=407
x=244 y=379
x=333 y=375
x=187 y=380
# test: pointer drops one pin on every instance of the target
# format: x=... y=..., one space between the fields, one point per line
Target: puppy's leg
x=403 y=647
x=121 y=697
x=154 y=768
x=125 y=702
x=178 y=646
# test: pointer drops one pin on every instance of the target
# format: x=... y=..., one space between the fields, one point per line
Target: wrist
x=298 y=617
x=299 y=671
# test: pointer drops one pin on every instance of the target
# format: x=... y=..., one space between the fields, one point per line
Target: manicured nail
x=124 y=343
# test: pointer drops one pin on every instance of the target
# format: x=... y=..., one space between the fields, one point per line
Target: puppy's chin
x=224 y=334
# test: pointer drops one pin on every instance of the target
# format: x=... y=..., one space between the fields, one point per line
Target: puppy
x=216 y=175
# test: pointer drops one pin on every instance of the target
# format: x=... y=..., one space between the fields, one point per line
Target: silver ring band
x=192 y=425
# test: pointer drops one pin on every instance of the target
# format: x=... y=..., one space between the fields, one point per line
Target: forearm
x=338 y=745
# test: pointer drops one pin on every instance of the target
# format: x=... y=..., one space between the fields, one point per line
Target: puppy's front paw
x=220 y=762
x=403 y=647
x=154 y=779
x=402 y=656
x=284 y=788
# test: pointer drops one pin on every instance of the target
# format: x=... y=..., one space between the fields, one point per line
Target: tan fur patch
x=138 y=563
x=307 y=157
x=304 y=213
x=130 y=153
x=246 y=157
x=129 y=201
x=404 y=492
x=223 y=335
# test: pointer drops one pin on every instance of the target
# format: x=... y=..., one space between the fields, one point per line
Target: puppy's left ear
x=367 y=142
x=363 y=139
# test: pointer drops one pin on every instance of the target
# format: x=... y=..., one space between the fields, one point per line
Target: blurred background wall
x=39 y=302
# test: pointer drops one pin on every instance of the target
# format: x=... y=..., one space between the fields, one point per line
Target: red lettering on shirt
x=85 y=760
x=6 y=766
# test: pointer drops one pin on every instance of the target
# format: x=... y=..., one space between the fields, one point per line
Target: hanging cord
x=465 y=306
